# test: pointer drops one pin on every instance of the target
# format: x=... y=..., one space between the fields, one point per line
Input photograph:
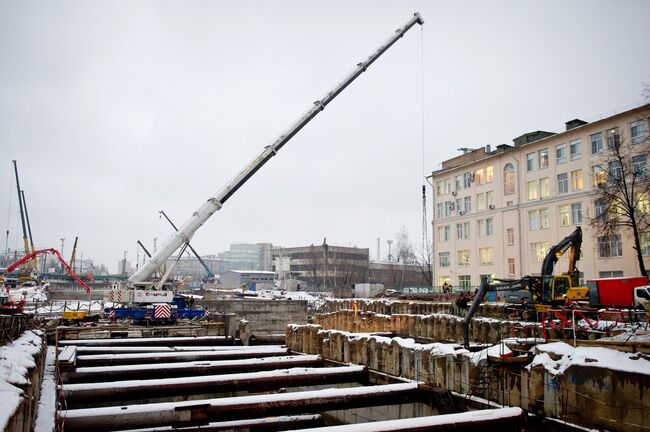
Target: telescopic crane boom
x=187 y=230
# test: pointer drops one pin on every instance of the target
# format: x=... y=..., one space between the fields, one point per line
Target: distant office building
x=124 y=267
x=248 y=256
x=190 y=266
x=323 y=267
x=251 y=280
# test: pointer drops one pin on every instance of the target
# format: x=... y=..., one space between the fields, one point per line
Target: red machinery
x=56 y=253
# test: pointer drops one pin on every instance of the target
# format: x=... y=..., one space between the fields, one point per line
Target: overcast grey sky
x=115 y=110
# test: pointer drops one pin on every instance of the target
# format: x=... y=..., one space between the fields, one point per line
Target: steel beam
x=268 y=424
x=91 y=350
x=161 y=341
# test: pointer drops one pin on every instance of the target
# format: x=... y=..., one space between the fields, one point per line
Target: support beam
x=196 y=412
x=172 y=370
x=169 y=357
x=116 y=392
x=162 y=341
x=267 y=424
x=90 y=350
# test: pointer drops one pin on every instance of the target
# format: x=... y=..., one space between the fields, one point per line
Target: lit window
x=577 y=183
x=531 y=159
x=610 y=246
x=613 y=138
x=637 y=131
x=511 y=266
x=543 y=158
x=478 y=176
x=562 y=183
x=508 y=179
x=564 y=215
x=463 y=257
x=544 y=187
x=485 y=256
x=532 y=190
x=489 y=174
x=642 y=203
x=543 y=218
x=560 y=153
x=538 y=251
x=576 y=151
x=598 y=176
x=576 y=213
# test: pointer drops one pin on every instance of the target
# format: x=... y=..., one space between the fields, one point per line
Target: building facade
x=497 y=211
x=247 y=256
x=251 y=280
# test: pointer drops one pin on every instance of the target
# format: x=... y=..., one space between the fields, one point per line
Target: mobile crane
x=545 y=290
x=140 y=289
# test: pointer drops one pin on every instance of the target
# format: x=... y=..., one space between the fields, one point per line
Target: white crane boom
x=185 y=233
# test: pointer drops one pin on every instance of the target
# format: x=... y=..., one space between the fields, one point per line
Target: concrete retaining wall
x=588 y=396
x=390 y=307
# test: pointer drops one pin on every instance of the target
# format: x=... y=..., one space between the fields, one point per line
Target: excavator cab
x=556 y=287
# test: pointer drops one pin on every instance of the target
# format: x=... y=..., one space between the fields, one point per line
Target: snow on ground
x=47 y=404
x=15 y=361
x=557 y=357
x=640 y=334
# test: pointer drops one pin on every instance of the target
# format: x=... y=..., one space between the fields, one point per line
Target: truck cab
x=642 y=297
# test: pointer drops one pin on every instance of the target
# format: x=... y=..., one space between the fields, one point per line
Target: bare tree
x=623 y=188
x=314 y=260
x=345 y=272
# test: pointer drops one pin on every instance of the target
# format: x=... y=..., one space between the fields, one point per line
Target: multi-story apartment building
x=497 y=211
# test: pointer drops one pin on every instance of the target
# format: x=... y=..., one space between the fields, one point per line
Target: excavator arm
x=571 y=243
x=56 y=253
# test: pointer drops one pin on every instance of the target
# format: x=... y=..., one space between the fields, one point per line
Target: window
x=600 y=208
x=543 y=158
x=447 y=232
x=459 y=182
x=478 y=176
x=443 y=259
x=480 y=202
x=596 y=143
x=508 y=179
x=485 y=256
x=489 y=226
x=447 y=186
x=439 y=210
x=576 y=151
x=544 y=187
x=533 y=220
x=480 y=227
x=489 y=174
x=562 y=183
x=610 y=246
x=598 y=176
x=449 y=206
x=467 y=179
x=576 y=213
x=564 y=215
x=642 y=203
x=644 y=239
x=511 y=266
x=443 y=233
x=468 y=204
x=465 y=282
x=538 y=251
x=637 y=132
x=510 y=236
x=531 y=162
x=610 y=274
x=440 y=188
x=443 y=279
x=613 y=138
x=532 y=190
x=577 y=184
x=462 y=231
x=459 y=205
x=615 y=170
x=463 y=257
x=560 y=153
x=640 y=166
x=543 y=218
x=489 y=199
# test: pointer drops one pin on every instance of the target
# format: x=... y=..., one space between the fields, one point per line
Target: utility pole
x=378 y=249
x=124 y=264
x=390 y=242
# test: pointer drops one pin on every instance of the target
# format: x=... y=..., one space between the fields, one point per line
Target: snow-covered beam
x=168 y=357
x=280 y=423
x=196 y=412
x=91 y=350
x=161 y=341
x=503 y=419
x=172 y=370
x=78 y=395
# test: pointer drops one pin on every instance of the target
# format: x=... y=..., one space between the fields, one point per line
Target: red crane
x=56 y=253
